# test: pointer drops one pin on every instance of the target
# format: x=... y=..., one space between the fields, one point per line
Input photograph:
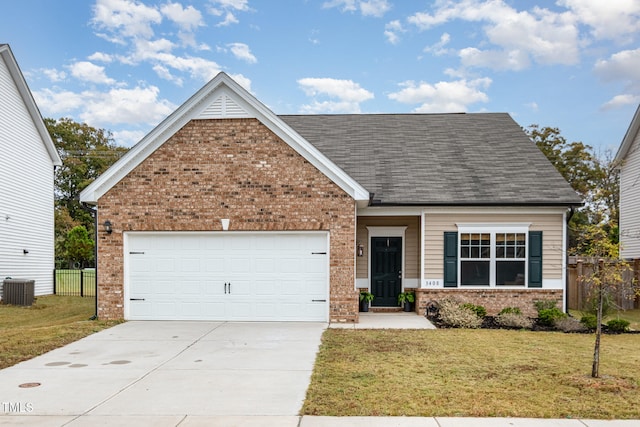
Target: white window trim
x=377 y=231
x=492 y=230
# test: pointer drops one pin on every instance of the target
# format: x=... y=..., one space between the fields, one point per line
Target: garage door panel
x=273 y=276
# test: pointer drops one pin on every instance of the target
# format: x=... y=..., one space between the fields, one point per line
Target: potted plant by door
x=365 y=298
x=406 y=300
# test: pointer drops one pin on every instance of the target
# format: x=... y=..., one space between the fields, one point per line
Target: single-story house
x=628 y=161
x=227 y=211
x=29 y=157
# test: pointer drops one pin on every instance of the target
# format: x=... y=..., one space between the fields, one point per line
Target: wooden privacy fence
x=578 y=290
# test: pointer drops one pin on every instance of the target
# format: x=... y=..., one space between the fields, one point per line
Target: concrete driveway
x=158 y=373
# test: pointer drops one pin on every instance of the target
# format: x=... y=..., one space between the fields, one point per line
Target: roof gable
x=27 y=98
x=221 y=98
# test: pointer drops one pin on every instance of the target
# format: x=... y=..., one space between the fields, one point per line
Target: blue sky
x=124 y=65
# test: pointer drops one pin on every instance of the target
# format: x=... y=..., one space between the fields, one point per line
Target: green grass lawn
x=51 y=322
x=68 y=282
x=474 y=373
x=632 y=316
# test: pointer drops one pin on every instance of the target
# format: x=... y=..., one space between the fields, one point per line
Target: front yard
x=51 y=322
x=479 y=373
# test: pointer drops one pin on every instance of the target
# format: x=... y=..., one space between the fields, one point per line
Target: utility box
x=18 y=291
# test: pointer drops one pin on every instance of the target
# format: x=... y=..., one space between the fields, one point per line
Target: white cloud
x=391 y=31
x=228 y=9
x=622 y=65
x=89 y=72
x=376 y=8
x=129 y=106
x=55 y=102
x=539 y=34
x=188 y=18
x=125 y=18
x=128 y=138
x=348 y=93
x=443 y=97
x=620 y=101
x=53 y=74
x=439 y=47
x=242 y=52
x=101 y=57
x=615 y=20
x=533 y=106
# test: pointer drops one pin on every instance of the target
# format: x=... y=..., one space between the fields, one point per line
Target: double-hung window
x=492 y=255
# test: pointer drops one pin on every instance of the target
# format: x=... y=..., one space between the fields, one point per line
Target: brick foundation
x=493 y=300
x=236 y=169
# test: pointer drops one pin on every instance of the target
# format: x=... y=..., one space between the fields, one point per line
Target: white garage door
x=236 y=276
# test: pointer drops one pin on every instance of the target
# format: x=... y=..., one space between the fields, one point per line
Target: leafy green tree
x=79 y=246
x=86 y=152
x=594 y=177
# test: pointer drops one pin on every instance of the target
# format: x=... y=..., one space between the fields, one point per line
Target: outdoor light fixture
x=107 y=227
x=360 y=249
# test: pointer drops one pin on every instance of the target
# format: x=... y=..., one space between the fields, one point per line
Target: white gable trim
x=222 y=97
x=29 y=102
x=628 y=139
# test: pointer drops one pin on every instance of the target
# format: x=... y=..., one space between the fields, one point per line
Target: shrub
x=510 y=310
x=454 y=315
x=618 y=325
x=549 y=316
x=513 y=320
x=479 y=310
x=545 y=304
x=589 y=321
x=569 y=324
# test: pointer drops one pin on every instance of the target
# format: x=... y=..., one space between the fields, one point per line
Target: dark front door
x=386 y=270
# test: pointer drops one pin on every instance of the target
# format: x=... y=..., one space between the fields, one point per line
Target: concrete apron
x=167 y=370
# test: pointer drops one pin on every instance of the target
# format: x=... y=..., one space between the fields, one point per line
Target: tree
x=79 y=246
x=594 y=177
x=610 y=277
x=86 y=152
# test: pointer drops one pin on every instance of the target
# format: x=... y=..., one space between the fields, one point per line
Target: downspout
x=572 y=211
x=94 y=213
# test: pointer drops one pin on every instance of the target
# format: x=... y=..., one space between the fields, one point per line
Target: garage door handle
x=229 y=287
x=136 y=299
x=318 y=253
x=318 y=300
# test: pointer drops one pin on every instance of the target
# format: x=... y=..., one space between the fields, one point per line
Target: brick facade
x=493 y=300
x=236 y=169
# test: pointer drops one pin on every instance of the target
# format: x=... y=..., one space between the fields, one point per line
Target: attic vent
x=223 y=107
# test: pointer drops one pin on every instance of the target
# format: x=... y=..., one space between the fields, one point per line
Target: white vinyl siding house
x=628 y=159
x=26 y=183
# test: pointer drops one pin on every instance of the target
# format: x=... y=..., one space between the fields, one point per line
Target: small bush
x=589 y=321
x=454 y=315
x=618 y=325
x=569 y=324
x=510 y=310
x=545 y=304
x=549 y=316
x=479 y=310
x=513 y=320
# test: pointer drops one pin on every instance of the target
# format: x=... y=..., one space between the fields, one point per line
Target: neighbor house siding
x=26 y=192
x=551 y=225
x=228 y=168
x=411 y=243
x=630 y=202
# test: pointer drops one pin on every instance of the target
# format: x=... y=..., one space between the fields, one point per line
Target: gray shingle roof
x=438 y=159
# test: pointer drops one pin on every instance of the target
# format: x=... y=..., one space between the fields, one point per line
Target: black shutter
x=535 y=259
x=450 y=259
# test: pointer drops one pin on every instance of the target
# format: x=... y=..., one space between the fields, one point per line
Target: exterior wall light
x=360 y=249
x=107 y=227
